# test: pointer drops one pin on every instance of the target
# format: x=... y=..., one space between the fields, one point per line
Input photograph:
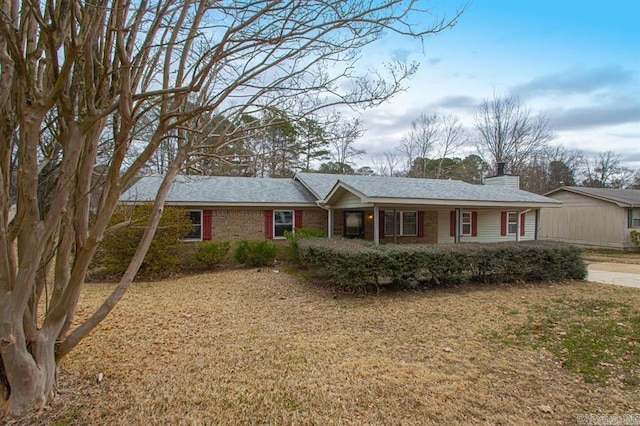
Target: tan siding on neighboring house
x=584 y=220
x=488 y=227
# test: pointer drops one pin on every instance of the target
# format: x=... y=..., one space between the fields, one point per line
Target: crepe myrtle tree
x=86 y=72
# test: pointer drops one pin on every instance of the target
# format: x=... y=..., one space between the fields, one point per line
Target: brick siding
x=236 y=224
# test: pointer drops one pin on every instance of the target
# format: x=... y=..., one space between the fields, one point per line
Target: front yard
x=259 y=347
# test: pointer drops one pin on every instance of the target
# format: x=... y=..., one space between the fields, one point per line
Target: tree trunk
x=29 y=374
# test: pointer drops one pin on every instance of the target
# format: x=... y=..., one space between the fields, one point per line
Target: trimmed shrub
x=256 y=253
x=164 y=255
x=214 y=253
x=358 y=265
x=348 y=264
x=293 y=253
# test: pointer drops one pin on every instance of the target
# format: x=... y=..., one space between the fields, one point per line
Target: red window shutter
x=206 y=224
x=381 y=223
x=452 y=224
x=503 y=224
x=522 y=216
x=297 y=219
x=268 y=224
x=420 y=224
x=474 y=224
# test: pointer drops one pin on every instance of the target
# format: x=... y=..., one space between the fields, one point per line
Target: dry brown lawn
x=261 y=347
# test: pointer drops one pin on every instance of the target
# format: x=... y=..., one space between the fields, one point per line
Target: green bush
x=635 y=239
x=293 y=253
x=164 y=255
x=212 y=254
x=359 y=265
x=256 y=253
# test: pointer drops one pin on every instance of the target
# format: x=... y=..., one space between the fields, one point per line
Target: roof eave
x=461 y=203
x=587 y=194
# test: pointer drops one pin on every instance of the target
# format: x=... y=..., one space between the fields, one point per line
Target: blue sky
x=576 y=61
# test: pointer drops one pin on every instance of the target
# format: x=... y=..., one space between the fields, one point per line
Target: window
x=466 y=223
x=512 y=222
x=635 y=218
x=282 y=221
x=406 y=223
x=196 y=219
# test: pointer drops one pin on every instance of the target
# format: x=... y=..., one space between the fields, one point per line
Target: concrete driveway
x=623 y=274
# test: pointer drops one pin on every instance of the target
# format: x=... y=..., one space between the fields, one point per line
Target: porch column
x=459 y=225
x=518 y=226
x=376 y=225
x=330 y=223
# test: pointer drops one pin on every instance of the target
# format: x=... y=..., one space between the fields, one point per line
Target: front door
x=354 y=224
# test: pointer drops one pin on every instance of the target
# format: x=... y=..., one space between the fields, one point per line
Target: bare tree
x=343 y=134
x=550 y=168
x=419 y=142
x=93 y=69
x=603 y=170
x=452 y=137
x=509 y=133
x=431 y=137
x=636 y=180
x=387 y=163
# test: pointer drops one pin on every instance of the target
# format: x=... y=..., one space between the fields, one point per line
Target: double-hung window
x=635 y=218
x=405 y=223
x=282 y=221
x=512 y=222
x=466 y=223
x=196 y=221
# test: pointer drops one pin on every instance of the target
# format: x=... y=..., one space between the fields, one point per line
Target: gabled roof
x=394 y=189
x=621 y=197
x=221 y=190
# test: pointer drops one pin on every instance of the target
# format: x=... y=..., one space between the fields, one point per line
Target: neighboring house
x=598 y=217
x=375 y=208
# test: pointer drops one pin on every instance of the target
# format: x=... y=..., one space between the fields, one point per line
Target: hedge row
x=357 y=265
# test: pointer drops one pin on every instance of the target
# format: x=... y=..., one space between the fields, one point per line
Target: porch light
x=370 y=216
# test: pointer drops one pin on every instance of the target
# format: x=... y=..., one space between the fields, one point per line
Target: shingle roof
x=226 y=190
x=411 y=188
x=622 y=197
x=211 y=190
